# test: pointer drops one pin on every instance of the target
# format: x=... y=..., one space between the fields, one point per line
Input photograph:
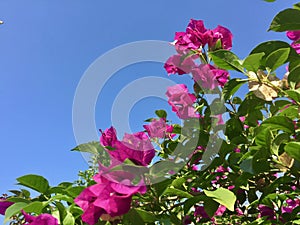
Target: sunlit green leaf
x=288 y=19
x=35 y=182
x=293 y=150
x=227 y=60
x=223 y=196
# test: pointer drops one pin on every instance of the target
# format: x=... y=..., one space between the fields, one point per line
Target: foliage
x=206 y=171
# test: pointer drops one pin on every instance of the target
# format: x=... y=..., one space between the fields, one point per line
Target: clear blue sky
x=45 y=47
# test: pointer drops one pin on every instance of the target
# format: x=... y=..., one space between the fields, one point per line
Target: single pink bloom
x=112 y=195
x=239 y=212
x=137 y=147
x=197 y=29
x=200 y=212
x=181 y=101
x=4 y=204
x=222 y=34
x=267 y=212
x=178 y=64
x=209 y=77
x=158 y=128
x=219 y=118
x=42 y=219
x=293 y=35
x=220 y=211
x=238 y=150
x=296 y=46
x=184 y=42
x=291 y=205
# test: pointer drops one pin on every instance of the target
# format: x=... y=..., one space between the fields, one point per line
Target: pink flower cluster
x=182 y=101
x=295 y=37
x=270 y=214
x=112 y=194
x=209 y=77
x=197 y=36
x=110 y=197
x=159 y=129
x=190 y=45
x=137 y=147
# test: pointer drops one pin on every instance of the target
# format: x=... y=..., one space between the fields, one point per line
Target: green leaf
x=227 y=60
x=13 y=210
x=223 y=196
x=35 y=182
x=60 y=197
x=269 y=0
x=270 y=47
x=69 y=219
x=297 y=6
x=294 y=94
x=176 y=192
x=277 y=58
x=231 y=87
x=35 y=207
x=246 y=165
x=294 y=76
x=263 y=136
x=161 y=186
x=253 y=61
x=279 y=123
x=161 y=113
x=75 y=191
x=18 y=199
x=93 y=147
x=293 y=150
x=290 y=112
x=192 y=201
x=210 y=207
x=288 y=19
x=234 y=128
x=278 y=140
x=139 y=217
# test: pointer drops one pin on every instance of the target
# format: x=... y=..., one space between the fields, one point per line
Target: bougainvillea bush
x=232 y=160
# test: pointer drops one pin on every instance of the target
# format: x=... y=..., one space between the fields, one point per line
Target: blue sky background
x=45 y=47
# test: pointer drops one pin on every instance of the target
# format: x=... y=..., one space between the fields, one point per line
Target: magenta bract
x=4 y=204
x=181 y=101
x=42 y=219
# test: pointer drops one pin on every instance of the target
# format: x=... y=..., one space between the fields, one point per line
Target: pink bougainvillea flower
x=220 y=211
x=181 y=101
x=197 y=29
x=265 y=211
x=111 y=195
x=4 y=204
x=42 y=219
x=209 y=77
x=158 y=128
x=137 y=147
x=221 y=34
x=296 y=46
x=290 y=205
x=219 y=119
x=178 y=64
x=239 y=212
x=201 y=213
x=184 y=42
x=295 y=37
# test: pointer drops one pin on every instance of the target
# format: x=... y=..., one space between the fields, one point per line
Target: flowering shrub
x=193 y=173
